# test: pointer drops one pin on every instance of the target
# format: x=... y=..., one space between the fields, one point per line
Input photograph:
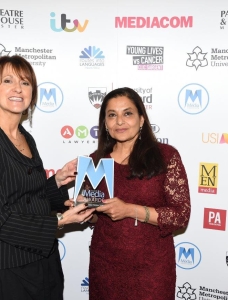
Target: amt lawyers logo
x=214 y=219
x=186 y=292
x=3 y=51
x=50 y=97
x=193 y=98
x=75 y=26
x=62 y=250
x=92 y=58
x=208 y=178
x=188 y=256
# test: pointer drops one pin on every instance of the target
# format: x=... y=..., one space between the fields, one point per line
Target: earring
x=140 y=131
x=30 y=116
x=107 y=134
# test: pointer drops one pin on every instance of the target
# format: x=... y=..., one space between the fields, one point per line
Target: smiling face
x=15 y=92
x=122 y=119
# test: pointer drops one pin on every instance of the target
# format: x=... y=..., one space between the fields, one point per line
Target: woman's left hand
x=115 y=208
x=67 y=173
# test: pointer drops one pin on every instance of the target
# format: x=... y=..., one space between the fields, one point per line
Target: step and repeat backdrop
x=175 y=55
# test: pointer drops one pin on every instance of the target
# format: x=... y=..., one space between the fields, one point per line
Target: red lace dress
x=130 y=262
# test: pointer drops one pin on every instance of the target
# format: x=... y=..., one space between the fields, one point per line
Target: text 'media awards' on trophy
x=85 y=168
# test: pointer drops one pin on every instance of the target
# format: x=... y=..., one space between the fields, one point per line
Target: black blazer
x=27 y=230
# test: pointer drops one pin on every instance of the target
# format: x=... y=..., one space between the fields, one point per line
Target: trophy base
x=94 y=204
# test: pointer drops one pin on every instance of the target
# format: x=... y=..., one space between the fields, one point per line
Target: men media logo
x=147 y=57
x=50 y=97
x=193 y=98
x=10 y=18
x=3 y=51
x=215 y=138
x=154 y=22
x=92 y=58
x=208 y=178
x=85 y=285
x=146 y=95
x=62 y=250
x=96 y=96
x=214 y=219
x=197 y=58
x=188 y=256
x=186 y=292
x=75 y=24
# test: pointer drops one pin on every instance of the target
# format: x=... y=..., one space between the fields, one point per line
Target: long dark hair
x=22 y=68
x=145 y=159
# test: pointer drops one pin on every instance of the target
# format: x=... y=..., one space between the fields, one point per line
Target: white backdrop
x=175 y=55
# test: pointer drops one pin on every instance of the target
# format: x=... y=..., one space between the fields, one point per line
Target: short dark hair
x=145 y=159
x=23 y=69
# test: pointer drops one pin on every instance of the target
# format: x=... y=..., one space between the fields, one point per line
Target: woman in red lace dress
x=132 y=248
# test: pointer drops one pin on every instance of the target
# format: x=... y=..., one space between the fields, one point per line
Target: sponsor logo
x=214 y=219
x=193 y=98
x=96 y=96
x=186 y=292
x=50 y=97
x=215 y=138
x=154 y=22
x=197 y=58
x=50 y=172
x=146 y=95
x=92 y=58
x=223 y=20
x=81 y=134
x=188 y=256
x=74 y=25
x=10 y=18
x=227 y=258
x=3 y=51
x=211 y=293
x=85 y=285
x=147 y=57
x=218 y=57
x=36 y=56
x=155 y=128
x=62 y=250
x=208 y=178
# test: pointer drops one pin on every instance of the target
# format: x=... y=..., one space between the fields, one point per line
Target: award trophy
x=85 y=190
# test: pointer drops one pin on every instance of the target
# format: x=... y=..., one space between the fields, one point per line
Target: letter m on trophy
x=86 y=168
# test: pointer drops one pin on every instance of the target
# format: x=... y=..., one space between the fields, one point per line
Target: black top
x=27 y=230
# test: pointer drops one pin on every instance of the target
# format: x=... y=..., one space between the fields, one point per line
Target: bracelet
x=136 y=217
x=147 y=214
x=59 y=217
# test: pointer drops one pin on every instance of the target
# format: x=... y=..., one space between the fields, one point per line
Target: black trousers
x=41 y=280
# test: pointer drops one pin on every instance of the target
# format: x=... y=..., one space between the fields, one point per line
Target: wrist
x=60 y=220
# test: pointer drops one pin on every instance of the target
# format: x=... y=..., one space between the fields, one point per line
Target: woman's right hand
x=76 y=214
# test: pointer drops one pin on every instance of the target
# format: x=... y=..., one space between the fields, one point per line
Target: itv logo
x=64 y=21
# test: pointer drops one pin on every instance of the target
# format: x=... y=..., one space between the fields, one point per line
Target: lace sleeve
x=176 y=213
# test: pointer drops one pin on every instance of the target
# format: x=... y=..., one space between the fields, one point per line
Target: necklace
x=18 y=146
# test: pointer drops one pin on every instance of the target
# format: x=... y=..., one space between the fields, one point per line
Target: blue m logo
x=193 y=97
x=190 y=252
x=47 y=95
x=86 y=167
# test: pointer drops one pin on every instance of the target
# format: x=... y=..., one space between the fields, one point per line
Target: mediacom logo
x=214 y=219
x=153 y=22
x=208 y=178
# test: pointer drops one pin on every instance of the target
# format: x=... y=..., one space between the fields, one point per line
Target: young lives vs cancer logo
x=214 y=219
x=92 y=58
x=208 y=178
x=96 y=96
x=75 y=24
x=147 y=57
